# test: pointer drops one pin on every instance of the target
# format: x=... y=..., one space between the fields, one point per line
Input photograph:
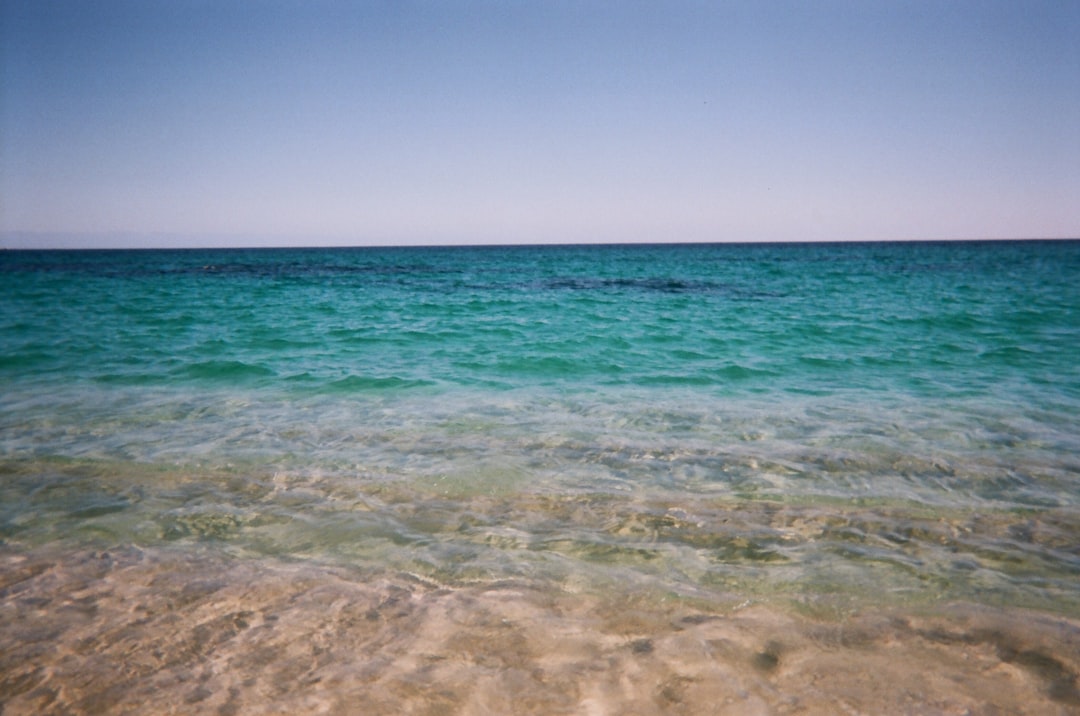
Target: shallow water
x=745 y=479
x=192 y=631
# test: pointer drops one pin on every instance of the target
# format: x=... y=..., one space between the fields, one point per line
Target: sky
x=323 y=122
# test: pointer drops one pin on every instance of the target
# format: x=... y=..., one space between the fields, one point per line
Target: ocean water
x=570 y=479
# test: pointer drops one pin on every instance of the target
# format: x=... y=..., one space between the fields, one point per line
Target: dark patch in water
x=696 y=619
x=660 y=285
x=1059 y=680
x=769 y=658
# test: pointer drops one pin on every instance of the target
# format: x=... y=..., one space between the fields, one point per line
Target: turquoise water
x=744 y=420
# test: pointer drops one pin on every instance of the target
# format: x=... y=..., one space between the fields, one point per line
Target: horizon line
x=126 y=241
x=497 y=245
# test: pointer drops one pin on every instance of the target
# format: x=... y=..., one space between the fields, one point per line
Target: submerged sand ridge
x=166 y=631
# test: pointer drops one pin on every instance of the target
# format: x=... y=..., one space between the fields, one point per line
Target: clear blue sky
x=143 y=122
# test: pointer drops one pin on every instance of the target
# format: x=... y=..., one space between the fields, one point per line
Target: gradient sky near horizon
x=146 y=122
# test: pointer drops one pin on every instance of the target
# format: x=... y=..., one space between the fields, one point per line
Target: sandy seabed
x=134 y=631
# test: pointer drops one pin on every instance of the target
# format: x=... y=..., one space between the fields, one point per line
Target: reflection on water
x=494 y=525
x=195 y=631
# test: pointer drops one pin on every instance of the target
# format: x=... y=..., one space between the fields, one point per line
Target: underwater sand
x=165 y=632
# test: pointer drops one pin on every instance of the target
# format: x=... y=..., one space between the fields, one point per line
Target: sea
x=619 y=479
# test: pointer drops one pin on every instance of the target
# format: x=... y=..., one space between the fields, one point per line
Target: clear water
x=816 y=427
